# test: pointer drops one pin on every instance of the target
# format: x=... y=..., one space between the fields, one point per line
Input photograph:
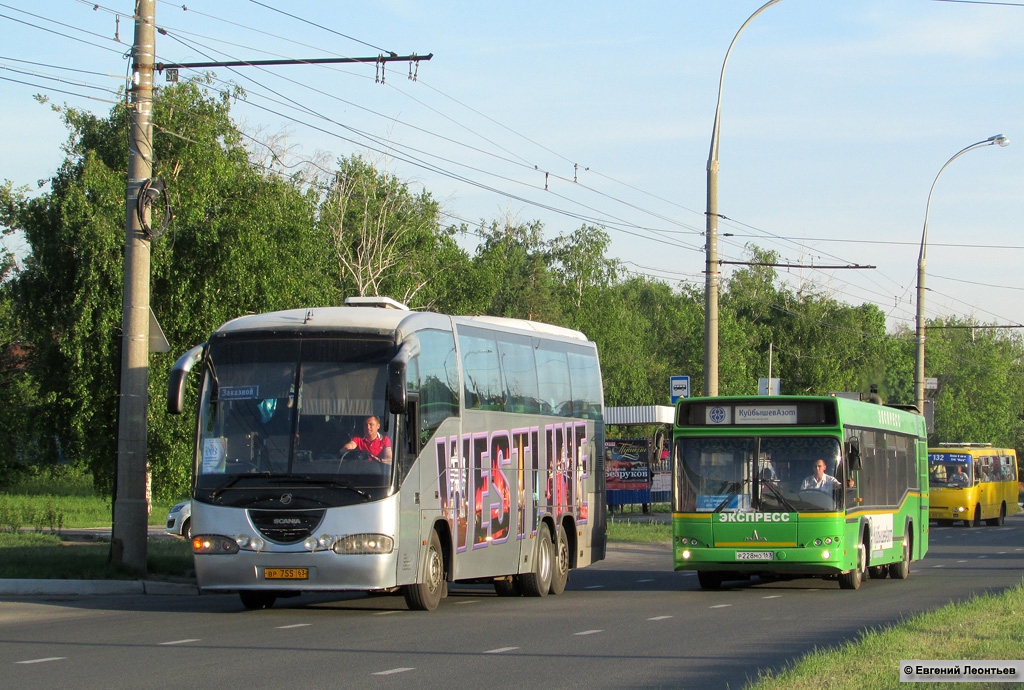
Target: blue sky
x=836 y=118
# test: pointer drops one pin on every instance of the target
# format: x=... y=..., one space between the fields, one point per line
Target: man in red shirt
x=379 y=447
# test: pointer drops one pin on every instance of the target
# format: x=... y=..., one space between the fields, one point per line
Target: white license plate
x=755 y=555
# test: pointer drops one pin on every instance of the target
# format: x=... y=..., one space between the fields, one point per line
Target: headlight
x=364 y=543
x=213 y=544
x=177 y=508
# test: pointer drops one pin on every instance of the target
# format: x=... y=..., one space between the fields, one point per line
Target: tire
x=852 y=579
x=186 y=530
x=998 y=521
x=255 y=600
x=538 y=582
x=425 y=596
x=901 y=570
x=976 y=520
x=560 y=564
x=709 y=580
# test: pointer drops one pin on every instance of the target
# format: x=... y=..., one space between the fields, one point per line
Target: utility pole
x=131 y=515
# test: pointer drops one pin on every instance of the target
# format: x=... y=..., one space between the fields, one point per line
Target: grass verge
x=989 y=626
x=40 y=555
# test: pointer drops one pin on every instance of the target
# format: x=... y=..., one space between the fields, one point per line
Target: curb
x=18 y=587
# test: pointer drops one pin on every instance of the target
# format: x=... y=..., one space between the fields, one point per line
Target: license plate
x=755 y=555
x=286 y=573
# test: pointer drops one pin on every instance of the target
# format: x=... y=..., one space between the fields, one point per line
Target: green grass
x=989 y=626
x=38 y=555
x=620 y=530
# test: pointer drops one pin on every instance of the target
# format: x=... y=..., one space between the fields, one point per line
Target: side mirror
x=176 y=382
x=853 y=455
x=396 y=395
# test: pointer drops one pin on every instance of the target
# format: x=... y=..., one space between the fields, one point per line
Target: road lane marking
x=294 y=625
x=500 y=650
x=720 y=606
x=471 y=601
x=659 y=618
x=194 y=639
x=773 y=596
x=41 y=661
x=589 y=632
x=392 y=671
x=385 y=613
x=939 y=566
x=650 y=579
x=594 y=587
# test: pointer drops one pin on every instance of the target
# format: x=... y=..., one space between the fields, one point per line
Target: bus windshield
x=771 y=474
x=278 y=414
x=948 y=470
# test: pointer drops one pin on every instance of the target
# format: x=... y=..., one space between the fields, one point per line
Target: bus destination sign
x=760 y=415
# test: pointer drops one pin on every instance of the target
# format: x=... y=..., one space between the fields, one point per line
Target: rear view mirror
x=853 y=454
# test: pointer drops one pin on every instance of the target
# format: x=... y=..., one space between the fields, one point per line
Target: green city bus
x=806 y=486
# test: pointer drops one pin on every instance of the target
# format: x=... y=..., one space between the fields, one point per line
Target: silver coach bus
x=493 y=471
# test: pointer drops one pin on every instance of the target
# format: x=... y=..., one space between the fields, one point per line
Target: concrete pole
x=128 y=544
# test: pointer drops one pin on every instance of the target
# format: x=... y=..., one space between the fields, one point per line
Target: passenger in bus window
x=959 y=478
x=379 y=447
x=820 y=480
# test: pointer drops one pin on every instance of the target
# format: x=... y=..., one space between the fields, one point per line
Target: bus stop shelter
x=637 y=470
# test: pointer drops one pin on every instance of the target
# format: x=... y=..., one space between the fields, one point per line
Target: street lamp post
x=711 y=267
x=919 y=373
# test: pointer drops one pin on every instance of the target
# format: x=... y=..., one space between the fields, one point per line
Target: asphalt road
x=626 y=622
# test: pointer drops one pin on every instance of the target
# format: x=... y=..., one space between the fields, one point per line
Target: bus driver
x=379 y=447
x=821 y=481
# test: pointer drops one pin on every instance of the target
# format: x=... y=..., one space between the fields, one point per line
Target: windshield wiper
x=777 y=494
x=340 y=483
x=733 y=488
x=234 y=480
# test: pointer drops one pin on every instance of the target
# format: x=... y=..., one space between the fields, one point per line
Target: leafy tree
x=515 y=260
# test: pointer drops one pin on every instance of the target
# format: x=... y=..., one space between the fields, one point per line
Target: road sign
x=679 y=387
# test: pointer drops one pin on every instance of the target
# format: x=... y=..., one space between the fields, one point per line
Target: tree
x=242 y=241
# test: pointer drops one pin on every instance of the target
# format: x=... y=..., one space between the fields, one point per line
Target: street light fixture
x=711 y=266
x=919 y=373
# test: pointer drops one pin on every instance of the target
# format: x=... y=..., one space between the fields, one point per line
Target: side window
x=553 y=377
x=519 y=374
x=481 y=372
x=585 y=375
x=436 y=380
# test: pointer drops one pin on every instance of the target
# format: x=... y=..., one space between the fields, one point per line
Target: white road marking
x=500 y=650
x=294 y=625
x=392 y=671
x=773 y=596
x=41 y=661
x=720 y=606
x=589 y=632
x=659 y=618
x=194 y=639
x=594 y=587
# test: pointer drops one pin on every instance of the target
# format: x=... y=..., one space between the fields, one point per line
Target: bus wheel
x=255 y=600
x=901 y=570
x=852 y=579
x=709 y=580
x=425 y=596
x=976 y=520
x=996 y=522
x=560 y=565
x=537 y=583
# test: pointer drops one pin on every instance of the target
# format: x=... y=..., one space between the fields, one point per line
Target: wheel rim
x=562 y=558
x=544 y=566
x=434 y=571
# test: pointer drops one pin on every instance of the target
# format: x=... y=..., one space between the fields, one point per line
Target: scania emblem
x=755 y=537
x=286 y=499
